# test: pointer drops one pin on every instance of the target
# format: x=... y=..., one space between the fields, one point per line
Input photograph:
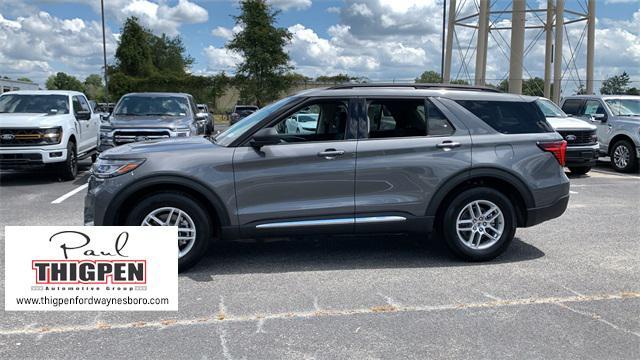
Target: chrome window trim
x=329 y=222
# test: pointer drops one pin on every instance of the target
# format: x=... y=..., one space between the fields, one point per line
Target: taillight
x=557 y=148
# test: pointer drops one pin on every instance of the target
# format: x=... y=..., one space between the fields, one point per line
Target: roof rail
x=417 y=86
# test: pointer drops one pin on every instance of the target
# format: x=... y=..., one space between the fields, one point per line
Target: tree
x=633 y=91
x=615 y=85
x=430 y=77
x=167 y=54
x=94 y=89
x=533 y=87
x=25 y=79
x=133 y=55
x=62 y=81
x=261 y=74
x=335 y=79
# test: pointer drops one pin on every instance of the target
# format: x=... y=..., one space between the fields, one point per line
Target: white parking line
x=573 y=192
x=70 y=194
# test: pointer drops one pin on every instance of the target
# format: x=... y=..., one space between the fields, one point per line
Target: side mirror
x=263 y=137
x=83 y=115
x=104 y=117
x=599 y=117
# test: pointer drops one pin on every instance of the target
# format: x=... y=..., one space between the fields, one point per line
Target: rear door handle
x=330 y=153
x=448 y=145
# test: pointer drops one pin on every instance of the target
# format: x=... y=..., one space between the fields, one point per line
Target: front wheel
x=176 y=209
x=479 y=224
x=623 y=156
x=68 y=170
x=579 y=170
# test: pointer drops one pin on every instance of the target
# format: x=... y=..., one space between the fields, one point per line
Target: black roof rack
x=417 y=86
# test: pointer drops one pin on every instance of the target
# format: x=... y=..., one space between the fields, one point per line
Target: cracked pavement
x=568 y=288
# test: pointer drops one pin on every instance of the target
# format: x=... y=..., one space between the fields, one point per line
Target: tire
x=623 y=157
x=196 y=216
x=486 y=247
x=579 y=170
x=94 y=157
x=68 y=170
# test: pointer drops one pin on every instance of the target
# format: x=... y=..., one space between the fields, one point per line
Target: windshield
x=245 y=108
x=133 y=105
x=38 y=104
x=549 y=109
x=624 y=107
x=236 y=130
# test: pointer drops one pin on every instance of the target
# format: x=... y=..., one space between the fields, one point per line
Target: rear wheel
x=176 y=209
x=579 y=170
x=623 y=156
x=479 y=224
x=68 y=170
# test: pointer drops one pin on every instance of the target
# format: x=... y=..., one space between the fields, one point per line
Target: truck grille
x=26 y=137
x=579 y=137
x=128 y=136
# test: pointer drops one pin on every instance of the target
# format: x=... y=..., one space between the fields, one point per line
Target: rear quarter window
x=509 y=117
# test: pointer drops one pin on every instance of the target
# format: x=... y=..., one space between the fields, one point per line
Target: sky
x=383 y=40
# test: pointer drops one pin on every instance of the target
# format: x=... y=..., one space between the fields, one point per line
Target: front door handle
x=448 y=145
x=330 y=153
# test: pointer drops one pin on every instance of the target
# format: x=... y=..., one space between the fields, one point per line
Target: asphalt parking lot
x=568 y=288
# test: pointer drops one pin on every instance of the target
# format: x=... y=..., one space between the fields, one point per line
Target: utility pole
x=517 y=46
x=446 y=77
x=548 y=49
x=444 y=21
x=591 y=37
x=557 y=52
x=483 y=38
x=104 y=54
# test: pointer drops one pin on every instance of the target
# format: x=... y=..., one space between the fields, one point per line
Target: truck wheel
x=176 y=209
x=479 y=224
x=68 y=170
x=623 y=157
x=579 y=170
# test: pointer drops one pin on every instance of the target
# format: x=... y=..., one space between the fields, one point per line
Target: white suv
x=51 y=128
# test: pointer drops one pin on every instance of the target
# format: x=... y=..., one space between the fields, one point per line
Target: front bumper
x=586 y=155
x=12 y=158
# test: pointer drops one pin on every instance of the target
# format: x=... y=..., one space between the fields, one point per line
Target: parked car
x=151 y=116
x=50 y=128
x=582 y=141
x=203 y=110
x=303 y=123
x=240 y=112
x=618 y=120
x=419 y=176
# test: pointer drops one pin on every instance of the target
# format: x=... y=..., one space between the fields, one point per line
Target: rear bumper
x=582 y=155
x=541 y=214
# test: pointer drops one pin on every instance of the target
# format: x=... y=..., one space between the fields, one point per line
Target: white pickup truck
x=53 y=128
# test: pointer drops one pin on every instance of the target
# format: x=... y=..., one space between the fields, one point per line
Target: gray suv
x=618 y=120
x=145 y=116
x=469 y=163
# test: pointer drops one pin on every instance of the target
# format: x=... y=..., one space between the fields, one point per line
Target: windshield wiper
x=128 y=114
x=158 y=114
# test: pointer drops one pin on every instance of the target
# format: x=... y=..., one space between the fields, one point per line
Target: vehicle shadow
x=340 y=253
x=40 y=176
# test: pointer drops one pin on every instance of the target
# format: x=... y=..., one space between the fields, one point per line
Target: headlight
x=52 y=136
x=183 y=132
x=105 y=168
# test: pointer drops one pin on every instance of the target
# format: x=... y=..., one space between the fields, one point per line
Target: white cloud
x=30 y=46
x=226 y=33
x=286 y=5
x=221 y=59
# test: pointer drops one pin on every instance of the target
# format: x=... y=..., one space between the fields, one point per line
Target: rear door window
x=593 y=107
x=572 y=106
x=509 y=117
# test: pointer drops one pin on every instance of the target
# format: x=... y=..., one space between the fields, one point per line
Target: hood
x=139 y=149
x=570 y=123
x=123 y=121
x=20 y=120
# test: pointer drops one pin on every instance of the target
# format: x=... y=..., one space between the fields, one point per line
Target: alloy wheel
x=621 y=156
x=171 y=216
x=480 y=224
